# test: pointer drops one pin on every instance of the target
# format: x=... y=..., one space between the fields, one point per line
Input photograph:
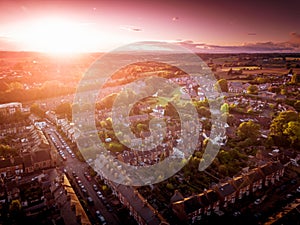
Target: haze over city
x=149 y=112
x=202 y=26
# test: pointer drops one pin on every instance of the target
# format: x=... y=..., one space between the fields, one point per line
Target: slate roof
x=270 y=168
x=212 y=196
x=176 y=197
x=192 y=204
x=18 y=160
x=136 y=202
x=254 y=176
x=27 y=159
x=225 y=189
x=203 y=199
x=240 y=182
x=40 y=156
x=11 y=162
x=5 y=163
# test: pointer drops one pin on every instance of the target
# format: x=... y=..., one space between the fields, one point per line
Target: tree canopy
x=64 y=109
x=222 y=83
x=252 y=89
x=6 y=151
x=248 y=129
x=284 y=129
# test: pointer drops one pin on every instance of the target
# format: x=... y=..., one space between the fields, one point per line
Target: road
x=72 y=164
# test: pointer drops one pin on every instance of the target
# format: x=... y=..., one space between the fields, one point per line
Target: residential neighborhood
x=138 y=112
x=48 y=176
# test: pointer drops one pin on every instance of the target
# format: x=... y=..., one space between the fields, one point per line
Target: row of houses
x=12 y=128
x=139 y=208
x=66 y=127
x=221 y=195
x=34 y=151
x=10 y=108
x=142 y=211
x=26 y=163
x=65 y=198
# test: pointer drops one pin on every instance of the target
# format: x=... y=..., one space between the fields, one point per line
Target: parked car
x=100 y=217
x=237 y=213
x=109 y=208
x=95 y=187
x=90 y=200
x=294 y=181
x=257 y=201
x=99 y=194
x=88 y=177
x=84 y=191
x=289 y=196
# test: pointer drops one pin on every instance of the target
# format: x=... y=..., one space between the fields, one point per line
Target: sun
x=58 y=36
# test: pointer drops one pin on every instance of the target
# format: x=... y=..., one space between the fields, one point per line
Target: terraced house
x=222 y=195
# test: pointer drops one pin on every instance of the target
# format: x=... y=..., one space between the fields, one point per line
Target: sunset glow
x=56 y=35
x=202 y=26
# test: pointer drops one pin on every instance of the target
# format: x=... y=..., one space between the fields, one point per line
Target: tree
x=51 y=88
x=198 y=104
x=280 y=123
x=6 y=151
x=262 y=80
x=222 y=83
x=64 y=109
x=224 y=157
x=204 y=111
x=293 y=133
x=15 y=86
x=248 y=129
x=171 y=111
x=116 y=147
x=295 y=78
x=225 y=108
x=274 y=89
x=15 y=211
x=252 y=89
x=107 y=101
x=297 y=105
x=35 y=109
x=223 y=170
x=170 y=186
x=231 y=120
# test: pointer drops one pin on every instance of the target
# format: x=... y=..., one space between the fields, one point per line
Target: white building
x=10 y=108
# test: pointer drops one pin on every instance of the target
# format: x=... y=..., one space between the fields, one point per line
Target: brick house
x=28 y=163
x=242 y=185
x=255 y=179
x=221 y=195
x=41 y=159
x=196 y=206
x=226 y=193
x=272 y=172
x=12 y=166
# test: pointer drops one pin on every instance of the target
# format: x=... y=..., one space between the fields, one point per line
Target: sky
x=200 y=25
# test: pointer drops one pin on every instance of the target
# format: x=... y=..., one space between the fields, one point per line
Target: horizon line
x=104 y=52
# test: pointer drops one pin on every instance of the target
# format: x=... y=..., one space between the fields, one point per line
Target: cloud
x=131 y=28
x=295 y=38
x=251 y=34
x=269 y=47
x=260 y=47
x=295 y=34
x=175 y=18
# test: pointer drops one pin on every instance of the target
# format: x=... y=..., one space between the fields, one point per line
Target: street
x=72 y=165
